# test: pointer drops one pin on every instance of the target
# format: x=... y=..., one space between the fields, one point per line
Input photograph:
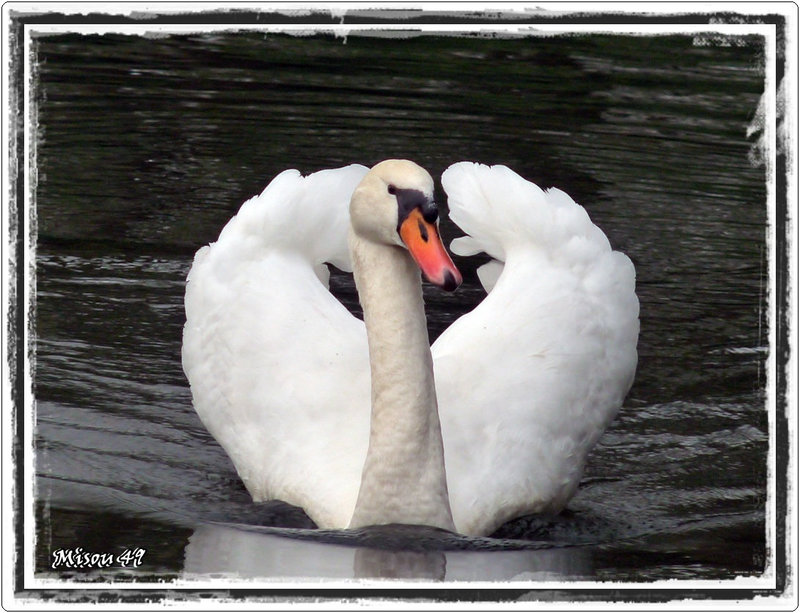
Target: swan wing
x=278 y=367
x=529 y=379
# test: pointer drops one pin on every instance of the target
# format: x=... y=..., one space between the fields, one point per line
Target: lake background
x=147 y=146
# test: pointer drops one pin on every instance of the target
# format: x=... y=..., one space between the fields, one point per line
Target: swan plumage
x=526 y=382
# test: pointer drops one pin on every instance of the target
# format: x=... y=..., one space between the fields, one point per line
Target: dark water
x=148 y=146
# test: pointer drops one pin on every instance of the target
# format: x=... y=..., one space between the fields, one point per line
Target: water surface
x=148 y=146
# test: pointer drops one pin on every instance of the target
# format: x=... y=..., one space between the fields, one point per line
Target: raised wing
x=264 y=339
x=528 y=380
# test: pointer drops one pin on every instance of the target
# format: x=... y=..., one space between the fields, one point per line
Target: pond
x=148 y=145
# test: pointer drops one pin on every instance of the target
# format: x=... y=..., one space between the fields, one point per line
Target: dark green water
x=148 y=146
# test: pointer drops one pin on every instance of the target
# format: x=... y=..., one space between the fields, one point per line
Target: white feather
x=278 y=367
x=526 y=382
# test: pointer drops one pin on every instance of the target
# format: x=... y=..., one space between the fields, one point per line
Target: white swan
x=321 y=411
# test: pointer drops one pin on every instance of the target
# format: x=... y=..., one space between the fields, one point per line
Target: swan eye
x=392 y=189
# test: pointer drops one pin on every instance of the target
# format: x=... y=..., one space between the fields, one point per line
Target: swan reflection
x=227 y=552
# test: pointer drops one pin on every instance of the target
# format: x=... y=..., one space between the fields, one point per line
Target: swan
x=364 y=422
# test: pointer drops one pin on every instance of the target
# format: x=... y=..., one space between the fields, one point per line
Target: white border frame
x=765 y=582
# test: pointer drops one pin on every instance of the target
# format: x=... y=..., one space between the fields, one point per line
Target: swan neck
x=404 y=479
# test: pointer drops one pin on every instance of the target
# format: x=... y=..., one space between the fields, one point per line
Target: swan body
x=365 y=424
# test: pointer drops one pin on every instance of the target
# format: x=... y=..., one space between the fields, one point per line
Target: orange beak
x=422 y=240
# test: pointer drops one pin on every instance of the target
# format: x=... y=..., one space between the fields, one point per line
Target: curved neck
x=403 y=480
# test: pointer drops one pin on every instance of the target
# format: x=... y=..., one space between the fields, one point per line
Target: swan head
x=394 y=205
